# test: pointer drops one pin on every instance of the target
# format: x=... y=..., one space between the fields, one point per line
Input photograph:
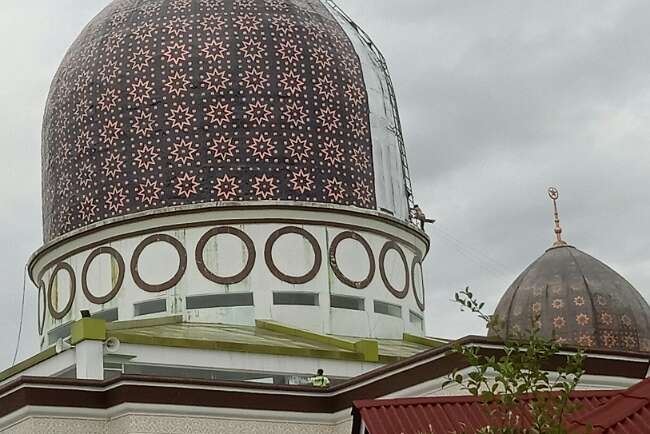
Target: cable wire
x=473 y=260
x=484 y=255
x=22 y=317
x=478 y=259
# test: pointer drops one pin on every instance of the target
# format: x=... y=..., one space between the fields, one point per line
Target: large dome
x=167 y=103
x=578 y=300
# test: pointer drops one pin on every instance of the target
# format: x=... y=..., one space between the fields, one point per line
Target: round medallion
x=268 y=255
x=59 y=314
x=41 y=307
x=348 y=235
x=182 y=266
x=225 y=280
x=392 y=245
x=418 y=290
x=115 y=255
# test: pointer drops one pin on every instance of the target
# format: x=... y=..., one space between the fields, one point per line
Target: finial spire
x=554 y=194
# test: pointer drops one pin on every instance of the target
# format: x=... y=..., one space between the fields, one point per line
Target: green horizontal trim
x=367 y=347
x=88 y=329
x=385 y=359
x=427 y=342
x=150 y=322
x=28 y=363
x=305 y=334
x=132 y=338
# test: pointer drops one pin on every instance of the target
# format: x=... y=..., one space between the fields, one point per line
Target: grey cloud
x=499 y=100
x=34 y=40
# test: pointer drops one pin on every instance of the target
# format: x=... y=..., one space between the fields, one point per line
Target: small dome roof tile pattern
x=579 y=300
x=161 y=103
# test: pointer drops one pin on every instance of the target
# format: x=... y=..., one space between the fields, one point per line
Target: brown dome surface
x=165 y=103
x=579 y=300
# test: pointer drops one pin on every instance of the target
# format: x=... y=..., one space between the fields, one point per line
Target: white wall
x=226 y=255
x=140 y=419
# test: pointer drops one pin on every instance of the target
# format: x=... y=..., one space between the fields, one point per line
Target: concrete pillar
x=88 y=336
x=90 y=360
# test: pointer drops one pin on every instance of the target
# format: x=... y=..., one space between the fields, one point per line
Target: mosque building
x=227 y=208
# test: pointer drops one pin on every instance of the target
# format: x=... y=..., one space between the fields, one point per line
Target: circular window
x=118 y=260
x=225 y=280
x=417 y=280
x=268 y=255
x=42 y=307
x=359 y=284
x=59 y=314
x=393 y=246
x=173 y=281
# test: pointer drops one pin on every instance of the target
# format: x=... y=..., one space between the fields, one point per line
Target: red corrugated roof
x=610 y=412
x=627 y=412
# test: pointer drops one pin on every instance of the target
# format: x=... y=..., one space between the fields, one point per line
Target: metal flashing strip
x=368 y=348
x=28 y=363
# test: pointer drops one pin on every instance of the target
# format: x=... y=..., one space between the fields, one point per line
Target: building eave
x=433 y=364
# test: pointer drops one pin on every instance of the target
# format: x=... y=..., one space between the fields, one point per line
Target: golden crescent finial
x=554 y=194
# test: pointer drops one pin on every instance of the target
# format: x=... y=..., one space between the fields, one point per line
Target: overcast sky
x=499 y=100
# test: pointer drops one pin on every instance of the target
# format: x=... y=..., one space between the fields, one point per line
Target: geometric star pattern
x=161 y=103
x=577 y=300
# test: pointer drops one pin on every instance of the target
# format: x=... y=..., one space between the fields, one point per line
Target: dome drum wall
x=228 y=161
x=578 y=300
x=165 y=103
x=322 y=268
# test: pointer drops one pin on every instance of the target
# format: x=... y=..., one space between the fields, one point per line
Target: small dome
x=579 y=300
x=165 y=104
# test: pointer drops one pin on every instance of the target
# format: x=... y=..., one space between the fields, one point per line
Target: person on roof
x=419 y=215
x=320 y=380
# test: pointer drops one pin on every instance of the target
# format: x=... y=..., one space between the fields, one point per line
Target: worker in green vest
x=319 y=380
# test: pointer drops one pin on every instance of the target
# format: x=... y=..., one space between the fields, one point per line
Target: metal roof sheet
x=627 y=412
x=446 y=415
x=255 y=340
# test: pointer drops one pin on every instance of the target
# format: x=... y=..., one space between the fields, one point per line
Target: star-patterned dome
x=166 y=103
x=578 y=300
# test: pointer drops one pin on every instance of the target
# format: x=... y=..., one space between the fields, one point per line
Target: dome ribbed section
x=579 y=300
x=162 y=104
